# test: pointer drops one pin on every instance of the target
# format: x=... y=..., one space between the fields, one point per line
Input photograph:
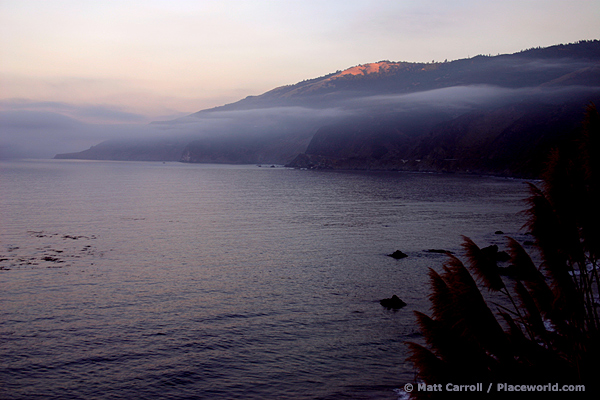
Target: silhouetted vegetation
x=540 y=325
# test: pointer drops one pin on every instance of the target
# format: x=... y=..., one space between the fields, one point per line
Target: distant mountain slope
x=162 y=149
x=494 y=114
x=527 y=68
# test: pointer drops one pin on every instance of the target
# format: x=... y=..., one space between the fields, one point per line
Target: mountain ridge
x=585 y=51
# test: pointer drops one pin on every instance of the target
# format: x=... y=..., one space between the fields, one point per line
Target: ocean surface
x=134 y=280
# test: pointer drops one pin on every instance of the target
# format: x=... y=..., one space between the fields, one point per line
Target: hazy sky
x=125 y=61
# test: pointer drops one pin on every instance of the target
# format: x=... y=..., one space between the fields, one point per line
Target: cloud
x=86 y=112
x=43 y=134
x=39 y=134
x=36 y=120
x=462 y=98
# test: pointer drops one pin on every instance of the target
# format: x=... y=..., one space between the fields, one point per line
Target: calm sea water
x=176 y=281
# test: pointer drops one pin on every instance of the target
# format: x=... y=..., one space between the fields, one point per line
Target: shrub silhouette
x=544 y=324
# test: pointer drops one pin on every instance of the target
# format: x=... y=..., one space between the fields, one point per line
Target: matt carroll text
x=450 y=387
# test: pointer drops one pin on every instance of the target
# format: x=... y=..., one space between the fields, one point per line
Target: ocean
x=142 y=280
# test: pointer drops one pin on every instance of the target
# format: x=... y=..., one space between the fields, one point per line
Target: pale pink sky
x=135 y=61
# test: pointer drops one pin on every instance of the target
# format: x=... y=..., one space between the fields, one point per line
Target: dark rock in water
x=490 y=251
x=441 y=251
x=393 y=303
x=493 y=254
x=499 y=233
x=398 y=255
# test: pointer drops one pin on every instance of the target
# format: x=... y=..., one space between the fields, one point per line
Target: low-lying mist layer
x=36 y=134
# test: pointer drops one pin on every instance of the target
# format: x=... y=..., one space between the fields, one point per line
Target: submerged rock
x=392 y=303
x=52 y=259
x=398 y=255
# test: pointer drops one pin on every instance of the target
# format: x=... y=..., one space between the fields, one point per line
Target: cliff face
x=370 y=142
x=514 y=140
x=235 y=150
x=510 y=140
